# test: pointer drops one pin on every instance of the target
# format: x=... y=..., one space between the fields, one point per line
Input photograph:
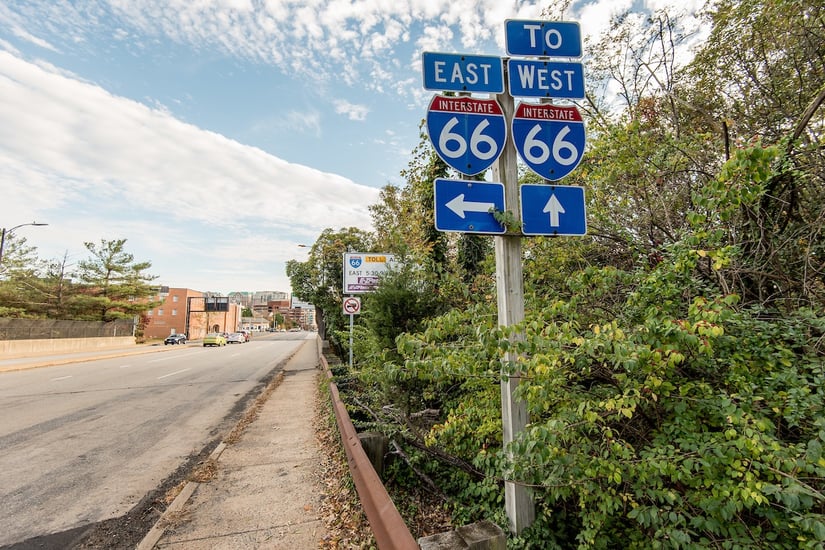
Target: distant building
x=191 y=312
x=260 y=297
x=303 y=317
x=257 y=324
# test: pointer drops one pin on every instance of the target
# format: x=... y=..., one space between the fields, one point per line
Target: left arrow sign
x=461 y=206
x=468 y=206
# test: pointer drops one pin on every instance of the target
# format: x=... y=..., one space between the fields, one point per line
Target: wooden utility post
x=510 y=289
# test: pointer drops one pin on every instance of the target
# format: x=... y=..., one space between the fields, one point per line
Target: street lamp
x=6 y=232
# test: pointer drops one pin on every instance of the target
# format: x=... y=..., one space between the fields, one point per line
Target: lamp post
x=6 y=232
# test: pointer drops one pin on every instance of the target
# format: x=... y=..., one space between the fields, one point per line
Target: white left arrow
x=554 y=208
x=460 y=206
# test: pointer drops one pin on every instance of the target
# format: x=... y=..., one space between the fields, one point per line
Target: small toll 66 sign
x=549 y=138
x=467 y=133
x=362 y=271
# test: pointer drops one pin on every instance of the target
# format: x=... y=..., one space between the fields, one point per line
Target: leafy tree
x=17 y=255
x=422 y=171
x=115 y=286
x=45 y=292
x=320 y=279
x=18 y=273
x=761 y=69
x=404 y=299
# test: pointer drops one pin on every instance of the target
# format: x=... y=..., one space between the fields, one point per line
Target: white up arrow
x=554 y=208
x=459 y=206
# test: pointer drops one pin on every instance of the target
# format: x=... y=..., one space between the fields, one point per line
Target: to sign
x=533 y=78
x=467 y=133
x=553 y=210
x=462 y=73
x=352 y=305
x=468 y=206
x=549 y=138
x=542 y=38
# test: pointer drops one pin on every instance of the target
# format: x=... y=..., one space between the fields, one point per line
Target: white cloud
x=20 y=33
x=352 y=111
x=70 y=148
x=328 y=41
x=595 y=17
x=324 y=40
x=305 y=121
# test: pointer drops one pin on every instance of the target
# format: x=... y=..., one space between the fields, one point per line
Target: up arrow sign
x=460 y=206
x=554 y=208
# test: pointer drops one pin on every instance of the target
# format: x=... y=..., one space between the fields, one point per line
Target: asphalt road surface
x=83 y=443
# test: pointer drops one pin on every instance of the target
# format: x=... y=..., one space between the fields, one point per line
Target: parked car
x=175 y=339
x=235 y=338
x=246 y=334
x=214 y=339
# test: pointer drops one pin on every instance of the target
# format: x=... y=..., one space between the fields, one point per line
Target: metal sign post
x=352 y=307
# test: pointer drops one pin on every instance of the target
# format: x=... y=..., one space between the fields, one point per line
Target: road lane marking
x=173 y=373
x=125 y=366
x=162 y=359
x=61 y=378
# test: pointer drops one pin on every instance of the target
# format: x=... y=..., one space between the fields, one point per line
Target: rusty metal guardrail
x=391 y=533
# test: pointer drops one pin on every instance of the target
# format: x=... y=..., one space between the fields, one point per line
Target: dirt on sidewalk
x=268 y=487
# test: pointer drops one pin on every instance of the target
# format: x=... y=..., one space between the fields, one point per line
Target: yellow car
x=214 y=339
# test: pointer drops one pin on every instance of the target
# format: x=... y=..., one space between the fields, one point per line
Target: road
x=84 y=442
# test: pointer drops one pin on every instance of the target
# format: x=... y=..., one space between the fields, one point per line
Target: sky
x=218 y=136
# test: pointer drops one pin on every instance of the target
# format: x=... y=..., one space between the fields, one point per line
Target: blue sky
x=218 y=135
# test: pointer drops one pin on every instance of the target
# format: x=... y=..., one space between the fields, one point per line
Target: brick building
x=192 y=313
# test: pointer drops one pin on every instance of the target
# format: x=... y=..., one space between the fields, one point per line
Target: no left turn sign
x=352 y=306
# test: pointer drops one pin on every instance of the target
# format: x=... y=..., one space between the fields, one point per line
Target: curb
x=156 y=532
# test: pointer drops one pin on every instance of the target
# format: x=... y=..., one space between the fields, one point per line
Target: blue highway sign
x=450 y=72
x=553 y=210
x=467 y=133
x=549 y=138
x=550 y=79
x=465 y=206
x=543 y=38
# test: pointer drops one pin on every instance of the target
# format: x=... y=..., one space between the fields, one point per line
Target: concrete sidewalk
x=267 y=489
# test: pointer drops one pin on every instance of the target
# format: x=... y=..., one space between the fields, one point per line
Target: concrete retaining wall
x=10 y=349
